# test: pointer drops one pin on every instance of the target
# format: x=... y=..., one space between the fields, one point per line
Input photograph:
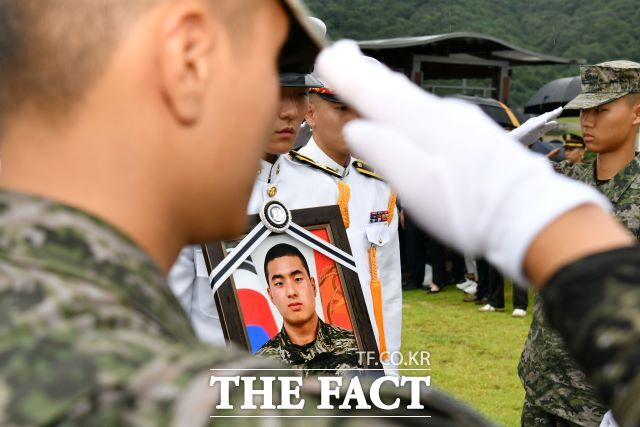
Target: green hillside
x=596 y=30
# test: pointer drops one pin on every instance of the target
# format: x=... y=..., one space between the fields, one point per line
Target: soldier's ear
x=269 y=292
x=313 y=283
x=184 y=66
x=636 y=111
x=311 y=114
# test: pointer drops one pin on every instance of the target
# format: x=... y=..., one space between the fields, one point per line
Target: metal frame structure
x=458 y=56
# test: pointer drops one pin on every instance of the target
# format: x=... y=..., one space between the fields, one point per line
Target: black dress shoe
x=481 y=301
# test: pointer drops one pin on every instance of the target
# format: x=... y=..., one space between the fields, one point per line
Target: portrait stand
x=245 y=315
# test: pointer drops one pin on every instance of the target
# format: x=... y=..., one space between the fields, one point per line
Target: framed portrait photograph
x=288 y=290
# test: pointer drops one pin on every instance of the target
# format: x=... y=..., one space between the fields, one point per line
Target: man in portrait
x=304 y=341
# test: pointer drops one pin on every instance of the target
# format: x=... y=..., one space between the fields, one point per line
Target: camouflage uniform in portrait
x=333 y=352
x=557 y=390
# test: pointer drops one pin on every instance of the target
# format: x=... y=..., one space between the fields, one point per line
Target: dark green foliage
x=596 y=30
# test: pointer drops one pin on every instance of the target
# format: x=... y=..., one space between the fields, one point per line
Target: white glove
x=608 y=420
x=533 y=129
x=483 y=193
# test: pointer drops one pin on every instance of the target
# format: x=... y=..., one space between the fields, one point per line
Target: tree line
x=594 y=30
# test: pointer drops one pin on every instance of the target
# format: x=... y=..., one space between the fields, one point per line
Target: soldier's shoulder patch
x=301 y=158
x=366 y=169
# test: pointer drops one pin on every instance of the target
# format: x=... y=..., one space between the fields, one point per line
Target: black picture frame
x=325 y=217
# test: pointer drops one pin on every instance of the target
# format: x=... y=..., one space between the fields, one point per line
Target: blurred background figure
x=413 y=241
x=574 y=148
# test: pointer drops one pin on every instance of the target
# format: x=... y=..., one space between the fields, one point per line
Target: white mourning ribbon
x=304 y=236
x=239 y=254
x=259 y=233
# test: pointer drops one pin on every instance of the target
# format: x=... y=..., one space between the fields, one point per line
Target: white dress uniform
x=368 y=206
x=373 y=236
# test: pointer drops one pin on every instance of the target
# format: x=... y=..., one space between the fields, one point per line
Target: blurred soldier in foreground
x=556 y=389
x=111 y=152
x=528 y=220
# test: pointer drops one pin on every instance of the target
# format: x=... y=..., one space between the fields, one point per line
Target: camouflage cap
x=606 y=82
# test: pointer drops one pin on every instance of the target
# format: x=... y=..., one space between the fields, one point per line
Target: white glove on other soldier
x=533 y=129
x=608 y=420
x=483 y=193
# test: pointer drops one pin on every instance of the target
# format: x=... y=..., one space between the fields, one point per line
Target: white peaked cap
x=319 y=25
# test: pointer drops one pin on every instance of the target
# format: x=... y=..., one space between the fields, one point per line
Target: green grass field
x=473 y=356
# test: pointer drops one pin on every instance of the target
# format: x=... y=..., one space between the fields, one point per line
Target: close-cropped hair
x=281 y=250
x=51 y=51
x=633 y=98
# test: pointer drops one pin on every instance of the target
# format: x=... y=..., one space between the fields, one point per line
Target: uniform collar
x=302 y=354
x=268 y=171
x=620 y=183
x=264 y=171
x=314 y=152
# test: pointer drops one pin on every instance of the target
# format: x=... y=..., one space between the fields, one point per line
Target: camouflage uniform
x=334 y=349
x=554 y=384
x=623 y=190
x=90 y=334
x=89 y=330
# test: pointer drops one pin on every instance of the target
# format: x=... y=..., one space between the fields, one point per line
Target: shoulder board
x=366 y=169
x=300 y=158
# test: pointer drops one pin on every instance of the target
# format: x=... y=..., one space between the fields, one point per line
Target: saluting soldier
x=528 y=220
x=556 y=388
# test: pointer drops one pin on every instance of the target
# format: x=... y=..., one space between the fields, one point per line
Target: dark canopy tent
x=556 y=93
x=458 y=56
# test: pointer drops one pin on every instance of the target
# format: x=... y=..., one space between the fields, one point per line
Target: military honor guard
x=323 y=172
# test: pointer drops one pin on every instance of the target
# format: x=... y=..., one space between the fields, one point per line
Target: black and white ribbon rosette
x=275 y=218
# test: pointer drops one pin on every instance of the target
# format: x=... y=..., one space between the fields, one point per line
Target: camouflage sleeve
x=564 y=167
x=270 y=350
x=595 y=304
